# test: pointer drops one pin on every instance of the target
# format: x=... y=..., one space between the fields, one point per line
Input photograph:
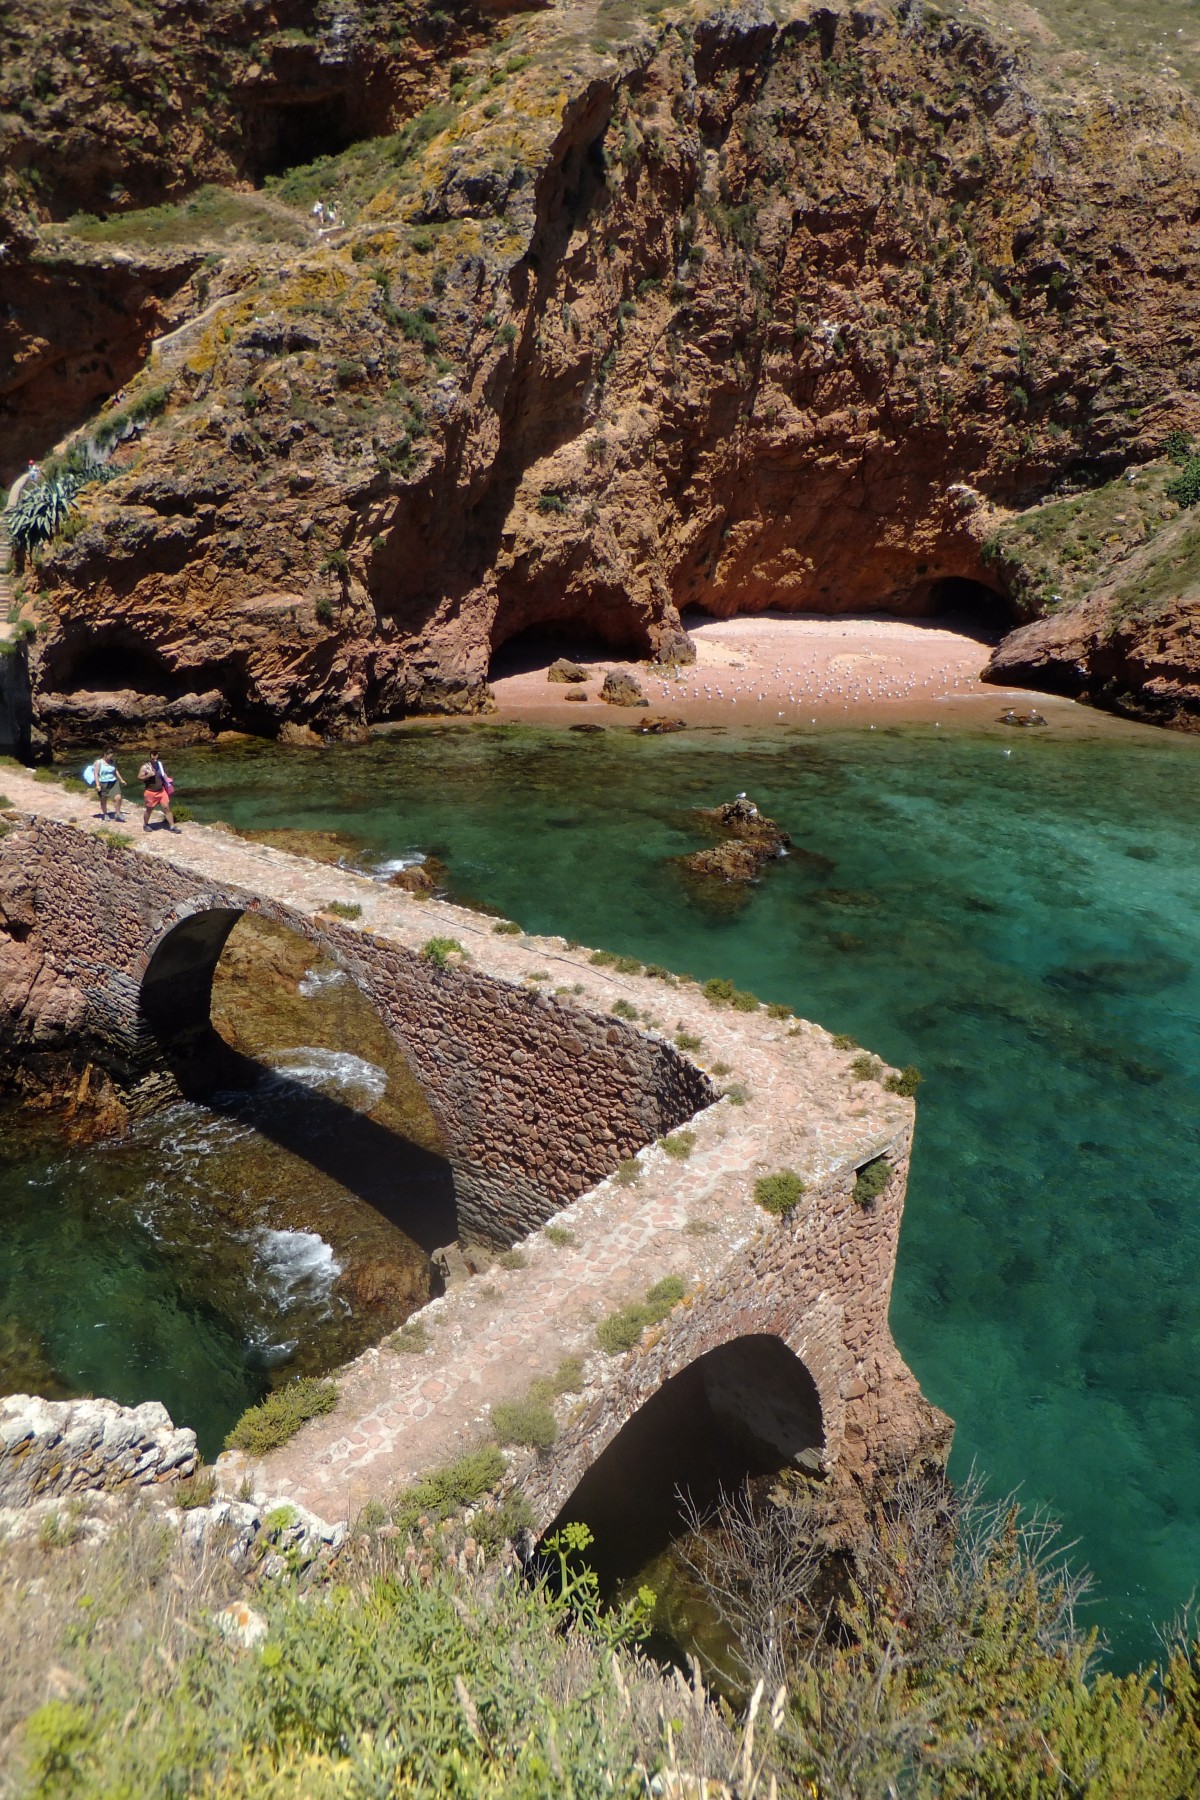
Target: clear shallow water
x=1016 y=912
x=187 y=1262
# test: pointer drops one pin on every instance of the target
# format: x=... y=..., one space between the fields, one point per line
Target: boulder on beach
x=563 y=669
x=622 y=689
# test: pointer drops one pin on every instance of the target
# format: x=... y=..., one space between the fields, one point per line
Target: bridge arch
x=176 y=972
x=534 y=1099
x=748 y=1406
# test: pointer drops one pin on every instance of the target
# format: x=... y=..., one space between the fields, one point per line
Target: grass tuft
x=906 y=1082
x=445 y=1490
x=439 y=950
x=622 y=1329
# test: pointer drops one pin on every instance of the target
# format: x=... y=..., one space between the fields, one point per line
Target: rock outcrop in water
x=751 y=842
x=723 y=308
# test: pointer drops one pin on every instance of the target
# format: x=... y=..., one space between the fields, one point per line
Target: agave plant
x=39 y=513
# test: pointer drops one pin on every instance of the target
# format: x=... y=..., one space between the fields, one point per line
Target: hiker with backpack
x=109 y=783
x=158 y=789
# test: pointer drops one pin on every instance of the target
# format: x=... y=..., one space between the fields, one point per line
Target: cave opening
x=536 y=646
x=293 y=133
x=745 y=1409
x=116 y=667
x=972 y=603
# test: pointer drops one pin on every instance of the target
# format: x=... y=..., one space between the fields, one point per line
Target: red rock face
x=1146 y=668
x=753 y=320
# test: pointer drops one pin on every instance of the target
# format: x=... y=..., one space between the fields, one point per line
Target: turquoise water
x=1016 y=912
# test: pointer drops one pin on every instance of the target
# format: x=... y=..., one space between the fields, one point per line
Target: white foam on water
x=315 y=981
x=412 y=859
x=298 y=1268
x=333 y=1071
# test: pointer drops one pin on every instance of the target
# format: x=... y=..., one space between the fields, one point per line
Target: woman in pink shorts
x=157 y=790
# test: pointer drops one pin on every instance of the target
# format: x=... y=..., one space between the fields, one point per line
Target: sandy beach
x=778 y=667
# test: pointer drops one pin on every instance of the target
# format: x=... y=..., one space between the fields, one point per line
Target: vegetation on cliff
x=625 y=309
x=945 y=1659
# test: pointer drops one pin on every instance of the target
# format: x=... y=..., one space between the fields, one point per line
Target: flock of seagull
x=806 y=686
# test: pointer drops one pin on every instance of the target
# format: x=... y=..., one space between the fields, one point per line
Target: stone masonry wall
x=53 y=1447
x=536 y=1100
x=820 y=1281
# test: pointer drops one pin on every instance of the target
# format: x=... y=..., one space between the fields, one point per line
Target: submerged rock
x=752 y=841
x=655 y=726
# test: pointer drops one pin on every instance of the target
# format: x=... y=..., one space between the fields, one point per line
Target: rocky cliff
x=644 y=308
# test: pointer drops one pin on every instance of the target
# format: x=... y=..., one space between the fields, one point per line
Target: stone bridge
x=552 y=1081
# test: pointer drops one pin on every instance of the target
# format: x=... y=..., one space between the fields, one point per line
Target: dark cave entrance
x=537 y=646
x=116 y=667
x=289 y=134
x=746 y=1409
x=972 y=604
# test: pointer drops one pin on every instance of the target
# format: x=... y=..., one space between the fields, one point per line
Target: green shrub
x=412 y=1339
x=622 y=1330
x=549 y=502
x=439 y=950
x=624 y=1010
x=445 y=1490
x=737 y=1093
x=628 y=1171
x=558 y=1235
x=779 y=1193
x=529 y=1421
x=506 y=928
x=279 y=1417
x=513 y=1259
x=1178 y=448
x=865 y=1067
x=842 y=1040
x=871 y=1180
x=608 y=959
x=719 y=991
x=688 y=1040
x=343 y=909
x=906 y=1082
x=680 y=1144
x=777 y=1010
x=507 y=333
x=1184 y=488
